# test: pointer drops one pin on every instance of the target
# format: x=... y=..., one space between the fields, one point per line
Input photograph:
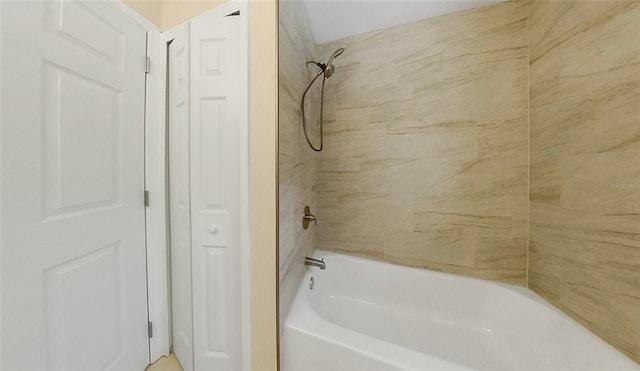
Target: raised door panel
x=81 y=116
x=70 y=293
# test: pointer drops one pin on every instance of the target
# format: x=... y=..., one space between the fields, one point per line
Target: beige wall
x=170 y=13
x=425 y=160
x=585 y=164
x=150 y=9
x=175 y=12
x=297 y=162
x=264 y=180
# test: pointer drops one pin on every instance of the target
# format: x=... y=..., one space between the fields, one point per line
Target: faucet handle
x=308 y=217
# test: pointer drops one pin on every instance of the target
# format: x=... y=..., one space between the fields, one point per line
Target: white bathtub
x=367 y=315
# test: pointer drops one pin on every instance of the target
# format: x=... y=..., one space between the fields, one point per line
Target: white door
x=179 y=196
x=73 y=248
x=215 y=190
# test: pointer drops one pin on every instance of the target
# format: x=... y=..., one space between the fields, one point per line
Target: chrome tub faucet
x=315 y=262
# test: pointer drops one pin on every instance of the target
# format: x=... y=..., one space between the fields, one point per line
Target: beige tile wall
x=585 y=163
x=425 y=160
x=297 y=162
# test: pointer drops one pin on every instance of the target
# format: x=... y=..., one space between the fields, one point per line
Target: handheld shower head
x=335 y=54
x=328 y=71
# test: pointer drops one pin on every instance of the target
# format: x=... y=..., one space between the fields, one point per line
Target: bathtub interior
x=473 y=323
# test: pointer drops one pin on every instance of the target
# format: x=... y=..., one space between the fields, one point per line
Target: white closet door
x=179 y=197
x=215 y=190
x=73 y=249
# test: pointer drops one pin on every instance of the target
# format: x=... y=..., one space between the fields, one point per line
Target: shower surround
x=501 y=143
x=585 y=164
x=425 y=161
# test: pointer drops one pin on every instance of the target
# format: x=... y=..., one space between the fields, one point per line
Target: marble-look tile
x=451 y=139
x=546 y=257
x=584 y=252
x=496 y=254
x=434 y=250
x=425 y=160
x=544 y=177
x=605 y=266
x=297 y=163
x=351 y=237
x=612 y=316
x=601 y=182
x=473 y=217
x=497 y=137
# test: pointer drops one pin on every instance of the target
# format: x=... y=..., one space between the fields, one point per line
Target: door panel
x=73 y=250
x=81 y=116
x=70 y=294
x=215 y=190
x=179 y=197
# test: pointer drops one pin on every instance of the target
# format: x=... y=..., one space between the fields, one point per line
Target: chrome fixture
x=326 y=70
x=308 y=218
x=315 y=262
x=311 y=283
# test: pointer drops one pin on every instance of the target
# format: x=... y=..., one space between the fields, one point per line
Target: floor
x=166 y=364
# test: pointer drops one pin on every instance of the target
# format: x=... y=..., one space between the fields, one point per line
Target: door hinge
x=147 y=65
x=150 y=329
x=146 y=198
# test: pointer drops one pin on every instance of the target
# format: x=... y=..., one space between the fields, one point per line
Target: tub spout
x=315 y=262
